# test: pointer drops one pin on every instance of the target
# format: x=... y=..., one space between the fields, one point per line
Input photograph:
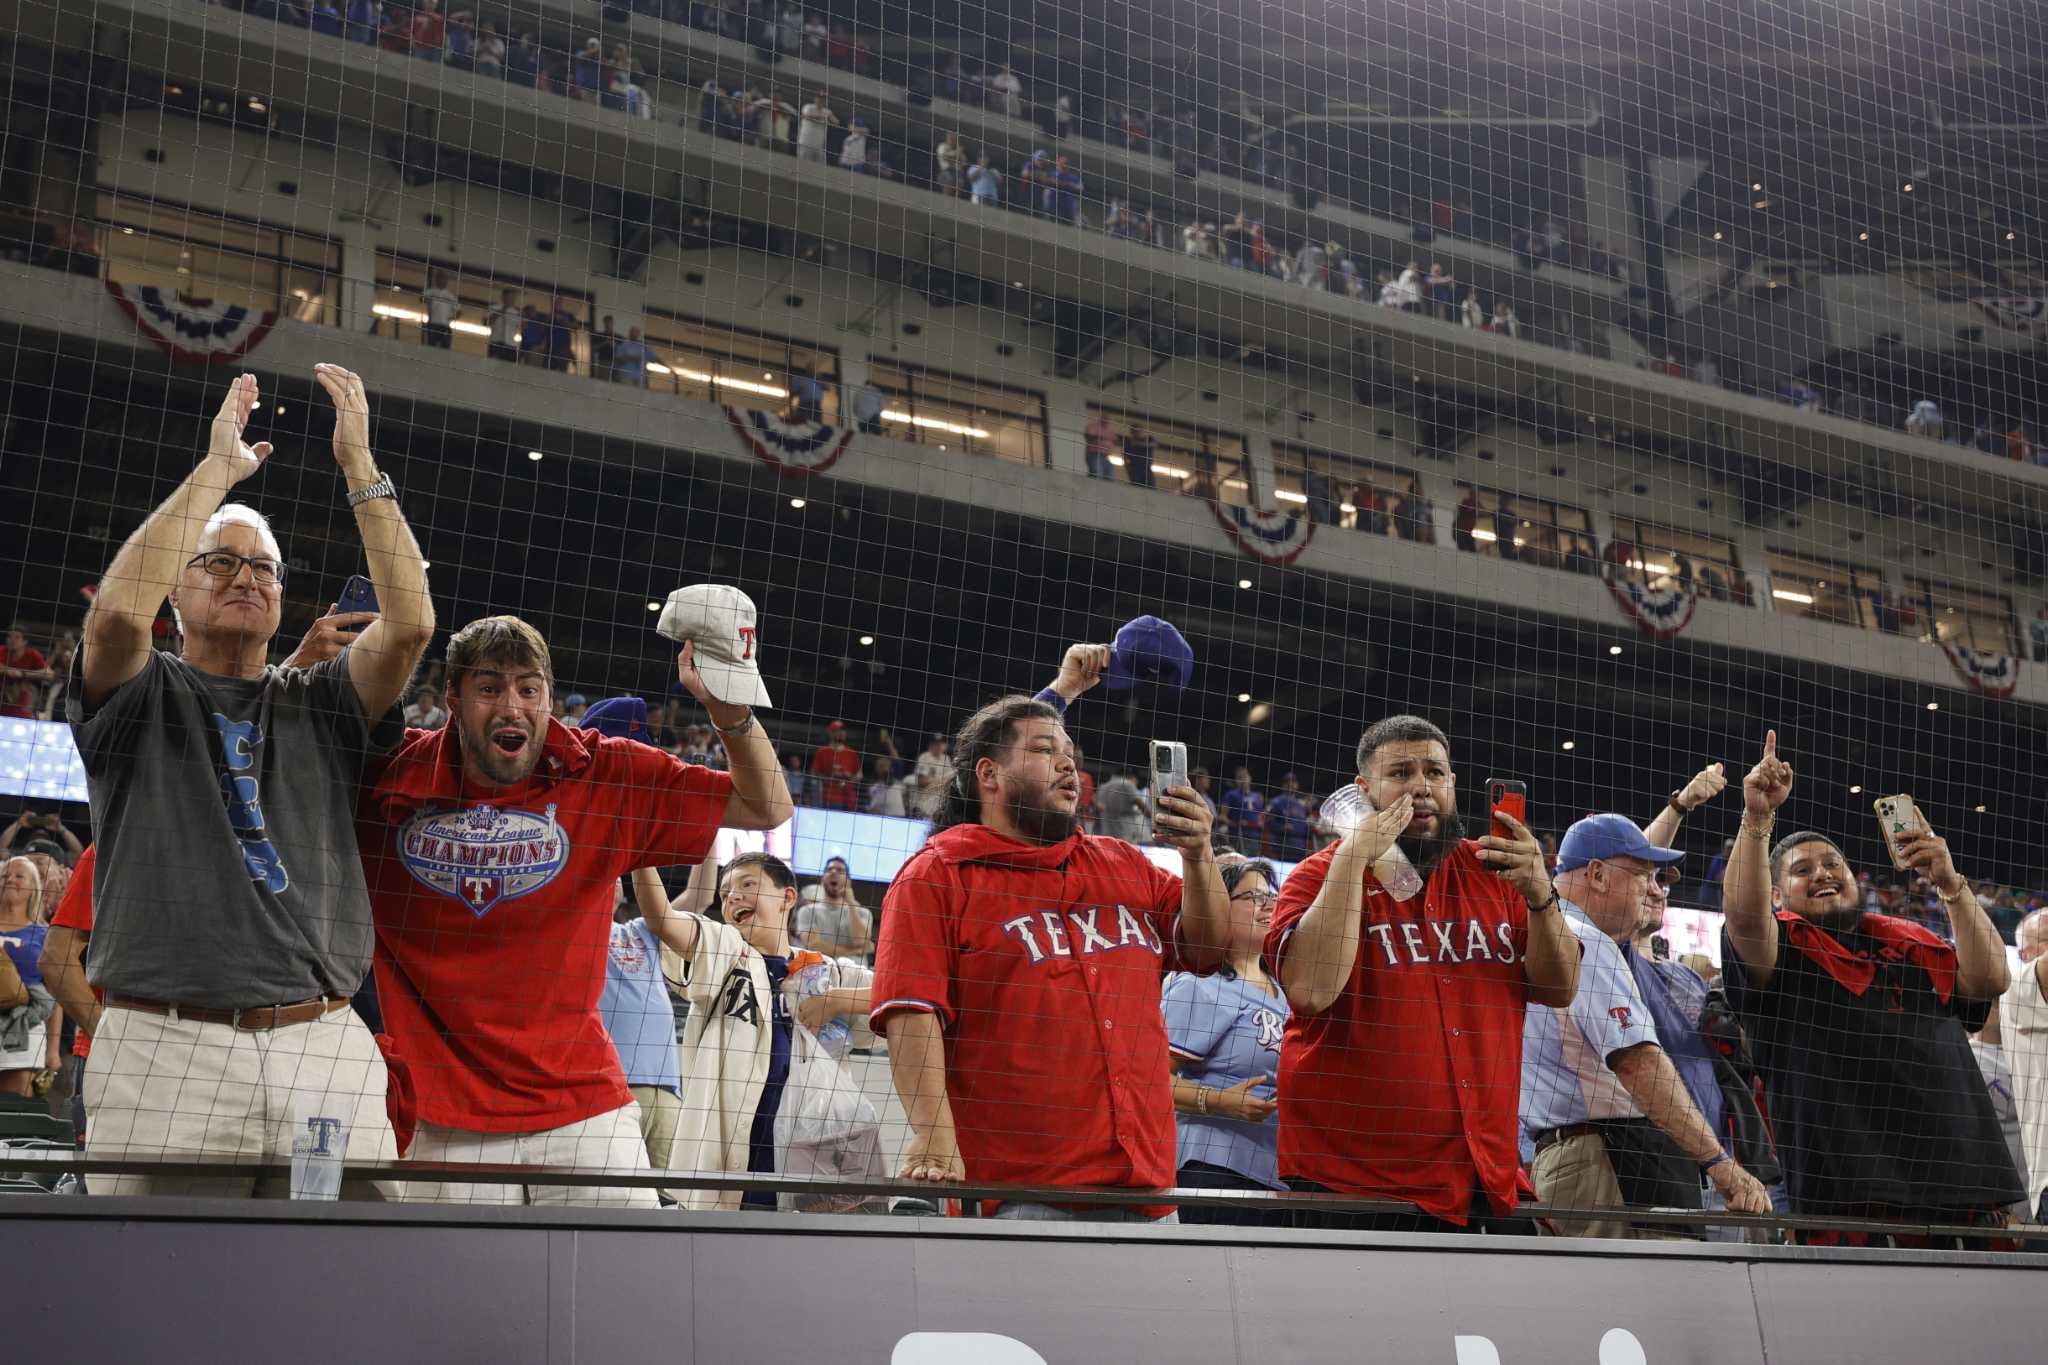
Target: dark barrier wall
x=193 y=1282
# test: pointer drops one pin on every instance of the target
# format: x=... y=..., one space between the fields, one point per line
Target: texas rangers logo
x=1620 y=1014
x=483 y=855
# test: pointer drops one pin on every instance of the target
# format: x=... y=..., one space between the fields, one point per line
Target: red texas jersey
x=1043 y=966
x=1408 y=1086
x=494 y=912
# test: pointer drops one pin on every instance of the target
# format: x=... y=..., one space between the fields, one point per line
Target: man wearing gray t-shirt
x=231 y=920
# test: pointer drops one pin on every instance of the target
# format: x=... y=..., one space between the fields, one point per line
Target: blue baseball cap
x=1149 y=648
x=575 y=699
x=1605 y=837
x=619 y=717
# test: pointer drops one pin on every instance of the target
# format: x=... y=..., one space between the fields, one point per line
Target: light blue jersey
x=1225 y=1031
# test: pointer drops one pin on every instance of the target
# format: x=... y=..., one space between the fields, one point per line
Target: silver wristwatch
x=383 y=488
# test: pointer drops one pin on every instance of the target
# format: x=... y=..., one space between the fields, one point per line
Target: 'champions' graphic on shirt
x=241 y=741
x=484 y=854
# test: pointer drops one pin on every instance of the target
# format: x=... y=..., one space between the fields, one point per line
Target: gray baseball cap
x=719 y=621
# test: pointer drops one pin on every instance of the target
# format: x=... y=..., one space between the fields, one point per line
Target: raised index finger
x=1770 y=744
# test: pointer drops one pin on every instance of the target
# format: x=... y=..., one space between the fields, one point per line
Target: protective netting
x=1609 y=387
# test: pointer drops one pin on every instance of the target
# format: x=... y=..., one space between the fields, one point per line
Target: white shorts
x=164 y=1087
x=34 y=1052
x=611 y=1141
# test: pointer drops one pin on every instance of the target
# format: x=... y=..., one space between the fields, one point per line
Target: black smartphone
x=358 y=594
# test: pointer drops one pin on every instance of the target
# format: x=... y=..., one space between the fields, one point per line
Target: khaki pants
x=609 y=1140
x=1576 y=1174
x=165 y=1087
x=660 y=1111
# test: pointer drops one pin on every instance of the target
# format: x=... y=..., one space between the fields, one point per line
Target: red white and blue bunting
x=1993 y=675
x=1274 y=537
x=1660 y=613
x=791 y=449
x=2017 y=312
x=195 y=331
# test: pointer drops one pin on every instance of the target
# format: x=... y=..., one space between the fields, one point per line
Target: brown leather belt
x=1551 y=1137
x=256 y=1019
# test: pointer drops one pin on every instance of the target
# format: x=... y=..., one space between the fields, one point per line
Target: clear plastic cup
x=1341 y=813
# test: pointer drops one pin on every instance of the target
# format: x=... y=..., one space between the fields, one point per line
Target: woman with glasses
x=1224 y=1032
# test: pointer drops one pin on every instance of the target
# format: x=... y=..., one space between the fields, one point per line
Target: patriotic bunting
x=1993 y=675
x=791 y=449
x=194 y=331
x=1275 y=537
x=1660 y=613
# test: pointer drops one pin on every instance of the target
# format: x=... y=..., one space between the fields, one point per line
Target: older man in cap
x=1607 y=1114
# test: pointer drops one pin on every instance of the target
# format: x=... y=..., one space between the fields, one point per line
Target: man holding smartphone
x=1402 y=1060
x=1861 y=1024
x=1021 y=964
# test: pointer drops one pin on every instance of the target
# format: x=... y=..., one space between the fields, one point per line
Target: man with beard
x=232 y=922
x=492 y=846
x=1861 y=1024
x=1402 y=1063
x=1020 y=970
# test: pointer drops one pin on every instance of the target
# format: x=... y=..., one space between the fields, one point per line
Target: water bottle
x=319 y=1141
x=1340 y=815
x=836 y=1036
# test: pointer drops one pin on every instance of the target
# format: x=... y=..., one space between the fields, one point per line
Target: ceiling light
x=1908 y=187
x=1569 y=745
x=386 y=310
x=1717 y=236
x=1862 y=236
x=533 y=455
x=1614 y=649
x=867 y=639
x=1804 y=599
x=1934 y=706
x=656 y=367
x=257 y=106
x=280 y=409
x=1244 y=582
x=1856 y=791
x=654 y=606
x=1244 y=696
x=1758 y=185
x=475 y=329
x=891 y=415
x=2010 y=235
x=1288 y=495
x=1980 y=810
x=797 y=503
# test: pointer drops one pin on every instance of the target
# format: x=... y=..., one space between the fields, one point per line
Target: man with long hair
x=1021 y=959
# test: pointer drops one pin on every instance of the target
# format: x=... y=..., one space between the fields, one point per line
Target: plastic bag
x=826 y=1127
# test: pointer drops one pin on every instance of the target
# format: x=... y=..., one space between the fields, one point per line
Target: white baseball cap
x=720 y=621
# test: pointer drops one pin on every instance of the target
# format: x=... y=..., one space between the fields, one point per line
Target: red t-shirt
x=494 y=910
x=1043 y=966
x=74 y=912
x=1409 y=1085
x=838 y=770
x=17 y=695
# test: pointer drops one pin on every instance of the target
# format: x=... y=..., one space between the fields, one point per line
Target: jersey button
x=1109 y=1023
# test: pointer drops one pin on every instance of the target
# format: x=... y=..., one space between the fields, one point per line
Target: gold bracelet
x=1201 y=1099
x=1760 y=828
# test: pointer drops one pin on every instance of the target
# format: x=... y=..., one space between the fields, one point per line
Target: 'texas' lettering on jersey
x=483 y=855
x=1451 y=942
x=1047 y=934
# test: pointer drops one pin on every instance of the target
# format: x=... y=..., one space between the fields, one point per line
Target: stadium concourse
x=1272 y=680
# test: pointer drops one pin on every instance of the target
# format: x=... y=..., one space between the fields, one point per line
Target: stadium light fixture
x=1856 y=790
x=1569 y=745
x=1758 y=185
x=1804 y=599
x=533 y=455
x=933 y=423
x=1934 y=706
x=867 y=639
x=1907 y=187
x=1614 y=649
x=1862 y=236
x=798 y=503
x=1717 y=236
x=1980 y=810
x=1244 y=582
x=1244 y=696
x=654 y=606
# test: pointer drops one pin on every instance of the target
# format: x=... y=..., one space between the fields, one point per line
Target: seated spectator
x=425 y=711
x=25 y=1003
x=1244 y=811
x=1837 y=1001
x=837 y=768
x=1610 y=1119
x=1223 y=1033
x=830 y=918
x=885 y=794
x=1125 y=813
x=1287 y=822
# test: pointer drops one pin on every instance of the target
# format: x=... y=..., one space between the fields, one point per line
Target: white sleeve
x=702 y=975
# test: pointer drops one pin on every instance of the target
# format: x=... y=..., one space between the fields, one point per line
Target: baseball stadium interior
x=1029 y=526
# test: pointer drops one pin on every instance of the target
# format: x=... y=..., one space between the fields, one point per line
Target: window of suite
x=1186 y=458
x=954 y=412
x=1340 y=490
x=1830 y=590
x=400 y=307
x=206 y=255
x=1665 y=554
x=1961 y=616
x=1551 y=535
x=720 y=364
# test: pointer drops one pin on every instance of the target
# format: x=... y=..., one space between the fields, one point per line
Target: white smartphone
x=1169 y=766
x=1898 y=816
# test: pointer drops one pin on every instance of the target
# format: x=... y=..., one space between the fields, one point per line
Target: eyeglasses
x=226 y=564
x=1261 y=900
